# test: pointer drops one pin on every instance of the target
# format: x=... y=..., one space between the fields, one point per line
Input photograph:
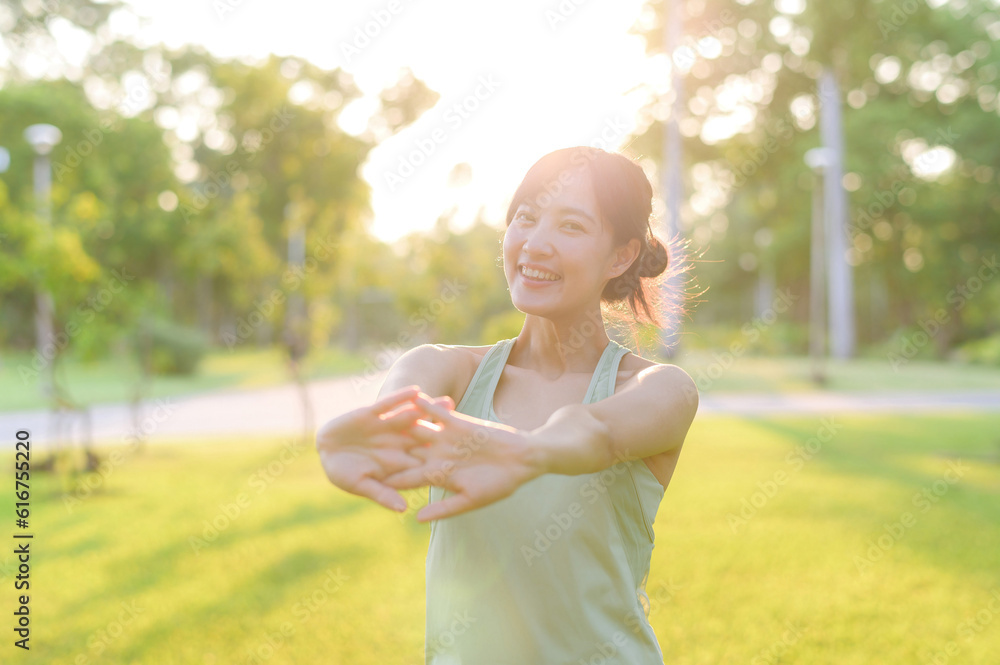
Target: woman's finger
x=421 y=452
x=411 y=478
x=380 y=494
x=445 y=401
x=400 y=418
x=396 y=461
x=425 y=432
x=401 y=440
x=455 y=504
x=434 y=409
x=398 y=408
x=441 y=413
x=407 y=412
x=394 y=398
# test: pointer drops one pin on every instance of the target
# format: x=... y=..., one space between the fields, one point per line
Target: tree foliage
x=919 y=90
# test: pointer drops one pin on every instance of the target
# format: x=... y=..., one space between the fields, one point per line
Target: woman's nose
x=538 y=239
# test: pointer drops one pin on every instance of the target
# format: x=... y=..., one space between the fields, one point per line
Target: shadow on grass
x=246 y=607
x=949 y=517
x=158 y=567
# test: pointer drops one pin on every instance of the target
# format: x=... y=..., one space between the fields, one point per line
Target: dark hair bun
x=653 y=258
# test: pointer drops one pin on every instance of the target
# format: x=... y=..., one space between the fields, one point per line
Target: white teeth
x=539 y=275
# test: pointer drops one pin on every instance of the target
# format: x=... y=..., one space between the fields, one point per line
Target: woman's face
x=562 y=235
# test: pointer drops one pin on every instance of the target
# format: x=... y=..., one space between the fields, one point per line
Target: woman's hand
x=480 y=461
x=360 y=448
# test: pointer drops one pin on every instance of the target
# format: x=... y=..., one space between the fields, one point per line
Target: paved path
x=864 y=402
x=277 y=411
x=273 y=411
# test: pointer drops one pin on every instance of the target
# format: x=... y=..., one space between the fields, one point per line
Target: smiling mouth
x=538 y=275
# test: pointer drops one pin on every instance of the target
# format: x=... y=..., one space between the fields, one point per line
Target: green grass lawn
x=301 y=572
x=113 y=380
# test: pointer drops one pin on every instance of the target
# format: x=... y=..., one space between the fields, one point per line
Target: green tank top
x=553 y=574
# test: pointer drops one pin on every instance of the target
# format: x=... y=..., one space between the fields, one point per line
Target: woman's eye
x=524 y=217
x=573 y=225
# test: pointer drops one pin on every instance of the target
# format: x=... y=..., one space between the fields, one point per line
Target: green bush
x=985 y=351
x=95 y=340
x=173 y=348
x=777 y=339
x=909 y=343
x=756 y=337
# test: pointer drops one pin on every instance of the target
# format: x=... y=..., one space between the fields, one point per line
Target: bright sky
x=525 y=83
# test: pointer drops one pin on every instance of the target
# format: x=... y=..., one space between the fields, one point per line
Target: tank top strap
x=606 y=374
x=478 y=398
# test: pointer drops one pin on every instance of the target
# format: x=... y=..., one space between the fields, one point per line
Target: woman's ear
x=624 y=256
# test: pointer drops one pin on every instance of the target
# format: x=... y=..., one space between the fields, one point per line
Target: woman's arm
x=650 y=414
x=482 y=462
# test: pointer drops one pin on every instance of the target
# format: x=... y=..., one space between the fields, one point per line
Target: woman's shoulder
x=459 y=362
x=633 y=364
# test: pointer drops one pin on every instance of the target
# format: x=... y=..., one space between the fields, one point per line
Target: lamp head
x=818 y=158
x=43 y=137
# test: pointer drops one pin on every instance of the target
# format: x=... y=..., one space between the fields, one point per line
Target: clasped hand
x=408 y=440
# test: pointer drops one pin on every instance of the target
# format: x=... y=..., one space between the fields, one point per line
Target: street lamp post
x=763 y=239
x=43 y=138
x=817 y=159
x=672 y=177
x=839 y=273
x=295 y=319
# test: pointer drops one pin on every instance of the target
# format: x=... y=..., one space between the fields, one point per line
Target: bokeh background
x=221 y=222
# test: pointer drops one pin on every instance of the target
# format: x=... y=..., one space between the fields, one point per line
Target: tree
x=915 y=78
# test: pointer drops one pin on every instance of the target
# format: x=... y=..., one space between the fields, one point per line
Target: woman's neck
x=554 y=348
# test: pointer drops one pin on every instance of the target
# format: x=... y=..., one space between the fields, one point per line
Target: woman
x=546 y=454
